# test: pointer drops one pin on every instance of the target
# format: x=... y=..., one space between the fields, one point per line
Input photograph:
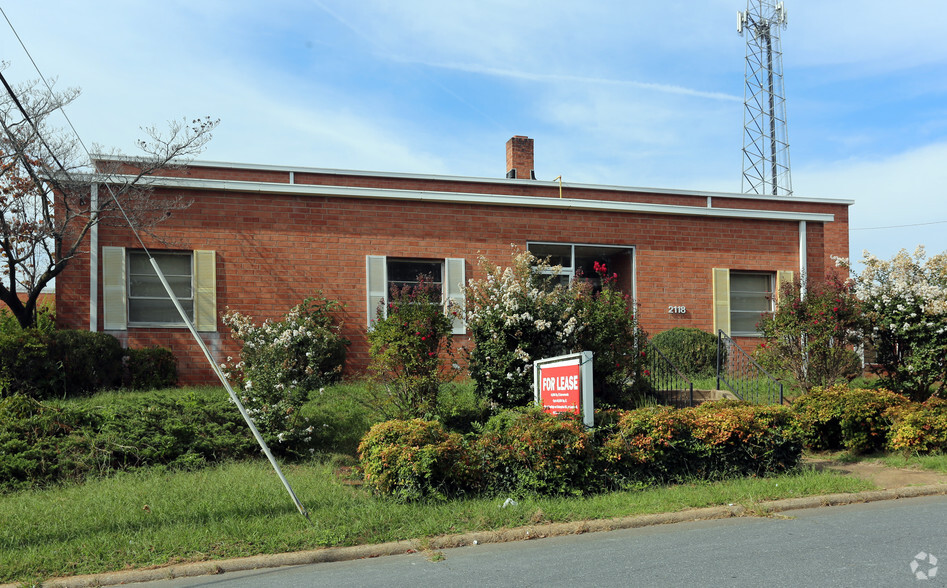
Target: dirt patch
x=884 y=476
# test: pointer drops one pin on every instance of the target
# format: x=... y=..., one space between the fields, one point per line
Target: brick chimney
x=519 y=158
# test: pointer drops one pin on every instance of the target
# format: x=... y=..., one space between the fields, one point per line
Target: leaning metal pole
x=226 y=383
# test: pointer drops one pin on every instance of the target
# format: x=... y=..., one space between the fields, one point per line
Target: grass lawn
x=155 y=517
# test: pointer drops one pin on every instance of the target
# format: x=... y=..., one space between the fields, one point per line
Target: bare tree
x=46 y=203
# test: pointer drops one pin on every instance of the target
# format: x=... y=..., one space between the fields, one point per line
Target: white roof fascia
x=485 y=199
x=480 y=180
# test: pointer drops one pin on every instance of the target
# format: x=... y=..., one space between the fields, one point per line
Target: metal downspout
x=94 y=263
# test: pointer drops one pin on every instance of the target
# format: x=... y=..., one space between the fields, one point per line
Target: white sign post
x=564 y=384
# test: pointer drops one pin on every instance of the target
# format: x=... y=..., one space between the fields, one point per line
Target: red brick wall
x=273 y=251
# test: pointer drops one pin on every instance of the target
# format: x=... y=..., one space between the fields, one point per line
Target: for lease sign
x=564 y=384
x=559 y=387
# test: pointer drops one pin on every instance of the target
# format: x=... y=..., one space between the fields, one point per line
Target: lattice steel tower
x=765 y=136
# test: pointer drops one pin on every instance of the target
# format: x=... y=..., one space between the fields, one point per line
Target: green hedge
x=840 y=417
x=527 y=450
x=414 y=459
x=715 y=440
x=63 y=364
x=918 y=428
x=530 y=452
x=151 y=368
x=691 y=350
x=43 y=444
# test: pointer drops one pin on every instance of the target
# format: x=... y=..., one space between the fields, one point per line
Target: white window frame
x=569 y=271
x=453 y=281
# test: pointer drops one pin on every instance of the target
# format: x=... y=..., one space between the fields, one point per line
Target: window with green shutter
x=133 y=295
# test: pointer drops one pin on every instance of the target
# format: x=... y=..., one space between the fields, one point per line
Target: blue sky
x=620 y=92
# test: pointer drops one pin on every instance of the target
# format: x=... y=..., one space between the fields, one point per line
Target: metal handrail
x=743 y=376
x=666 y=380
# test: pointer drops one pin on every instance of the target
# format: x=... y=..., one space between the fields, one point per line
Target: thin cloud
x=570 y=79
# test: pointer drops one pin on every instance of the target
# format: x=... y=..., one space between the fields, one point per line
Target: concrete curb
x=332 y=554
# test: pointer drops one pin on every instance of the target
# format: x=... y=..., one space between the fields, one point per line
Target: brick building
x=259 y=239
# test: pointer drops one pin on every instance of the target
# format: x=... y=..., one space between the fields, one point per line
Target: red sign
x=560 y=387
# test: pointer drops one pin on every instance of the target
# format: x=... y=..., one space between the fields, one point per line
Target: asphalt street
x=886 y=543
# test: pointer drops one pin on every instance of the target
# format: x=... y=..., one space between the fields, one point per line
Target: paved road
x=857 y=545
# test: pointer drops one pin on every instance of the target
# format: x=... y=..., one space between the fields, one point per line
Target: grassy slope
x=154 y=517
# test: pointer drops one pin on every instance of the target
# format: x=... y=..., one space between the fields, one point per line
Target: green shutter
x=114 y=314
x=454 y=282
x=377 y=280
x=205 y=290
x=721 y=293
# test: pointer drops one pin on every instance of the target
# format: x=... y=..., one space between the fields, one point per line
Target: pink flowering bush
x=811 y=336
x=411 y=351
x=281 y=362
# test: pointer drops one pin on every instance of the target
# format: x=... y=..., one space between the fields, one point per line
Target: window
x=405 y=272
x=148 y=302
x=741 y=298
x=751 y=296
x=134 y=296
x=580 y=260
x=384 y=272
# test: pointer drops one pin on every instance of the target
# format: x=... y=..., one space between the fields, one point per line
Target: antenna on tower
x=765 y=134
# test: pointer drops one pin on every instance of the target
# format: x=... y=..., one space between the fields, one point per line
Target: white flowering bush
x=281 y=362
x=524 y=312
x=906 y=301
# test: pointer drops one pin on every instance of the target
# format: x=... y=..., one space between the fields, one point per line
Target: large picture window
x=579 y=261
x=405 y=273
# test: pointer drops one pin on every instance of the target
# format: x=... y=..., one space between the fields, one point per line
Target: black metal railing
x=668 y=384
x=739 y=373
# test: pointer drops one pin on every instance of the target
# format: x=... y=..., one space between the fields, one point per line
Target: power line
x=899 y=226
x=223 y=379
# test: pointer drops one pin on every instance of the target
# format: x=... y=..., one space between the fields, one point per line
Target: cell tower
x=765 y=136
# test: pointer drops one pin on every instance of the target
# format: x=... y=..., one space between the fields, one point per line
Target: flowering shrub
x=906 y=303
x=838 y=417
x=281 y=362
x=614 y=337
x=414 y=459
x=918 y=428
x=809 y=339
x=522 y=313
x=409 y=349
